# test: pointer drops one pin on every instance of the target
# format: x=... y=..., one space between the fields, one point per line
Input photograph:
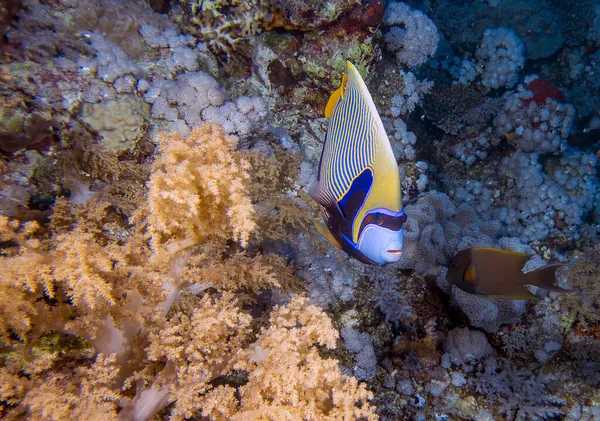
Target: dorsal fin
x=335 y=96
x=522 y=258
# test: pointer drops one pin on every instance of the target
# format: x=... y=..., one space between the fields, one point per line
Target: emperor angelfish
x=358 y=184
x=496 y=273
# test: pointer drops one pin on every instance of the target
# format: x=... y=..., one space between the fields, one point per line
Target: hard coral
x=584 y=276
x=225 y=25
x=305 y=15
x=452 y=108
x=574 y=19
x=309 y=67
x=372 y=14
x=119 y=21
x=532 y=20
x=197 y=190
x=119 y=121
x=40 y=34
x=50 y=28
x=35 y=129
x=8 y=12
x=412 y=35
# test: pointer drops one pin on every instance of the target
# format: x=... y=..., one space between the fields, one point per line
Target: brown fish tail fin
x=544 y=277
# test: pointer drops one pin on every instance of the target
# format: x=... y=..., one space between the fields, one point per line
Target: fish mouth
x=392 y=255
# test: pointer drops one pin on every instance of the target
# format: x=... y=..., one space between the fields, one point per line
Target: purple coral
x=412 y=35
x=504 y=55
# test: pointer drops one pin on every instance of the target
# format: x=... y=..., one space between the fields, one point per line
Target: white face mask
x=380 y=244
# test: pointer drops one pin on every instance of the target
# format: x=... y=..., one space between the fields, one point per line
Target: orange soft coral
x=195 y=351
x=111 y=281
x=282 y=206
x=86 y=393
x=288 y=379
x=197 y=190
x=25 y=276
x=240 y=272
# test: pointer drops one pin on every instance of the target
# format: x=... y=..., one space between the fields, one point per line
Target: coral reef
x=304 y=15
x=412 y=92
x=533 y=21
x=544 y=122
x=464 y=346
x=459 y=109
x=545 y=207
x=436 y=230
x=306 y=69
x=120 y=121
x=361 y=346
x=157 y=250
x=286 y=351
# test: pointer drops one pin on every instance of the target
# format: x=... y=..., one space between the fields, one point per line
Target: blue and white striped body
x=350 y=143
x=359 y=183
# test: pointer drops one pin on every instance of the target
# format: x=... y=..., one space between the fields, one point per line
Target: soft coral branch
x=197 y=189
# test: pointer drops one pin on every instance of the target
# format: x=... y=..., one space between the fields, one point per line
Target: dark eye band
x=384 y=218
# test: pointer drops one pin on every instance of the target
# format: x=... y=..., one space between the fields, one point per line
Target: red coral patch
x=372 y=14
x=542 y=89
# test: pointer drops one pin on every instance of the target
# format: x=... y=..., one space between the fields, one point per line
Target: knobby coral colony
x=157 y=249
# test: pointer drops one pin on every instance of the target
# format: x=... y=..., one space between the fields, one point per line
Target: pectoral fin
x=470 y=275
x=324 y=198
x=324 y=231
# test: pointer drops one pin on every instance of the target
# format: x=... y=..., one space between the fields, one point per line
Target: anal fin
x=324 y=231
x=524 y=295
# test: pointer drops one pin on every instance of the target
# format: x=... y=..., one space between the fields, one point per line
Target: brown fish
x=499 y=273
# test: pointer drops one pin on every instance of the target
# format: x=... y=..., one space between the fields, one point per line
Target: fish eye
x=378 y=219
